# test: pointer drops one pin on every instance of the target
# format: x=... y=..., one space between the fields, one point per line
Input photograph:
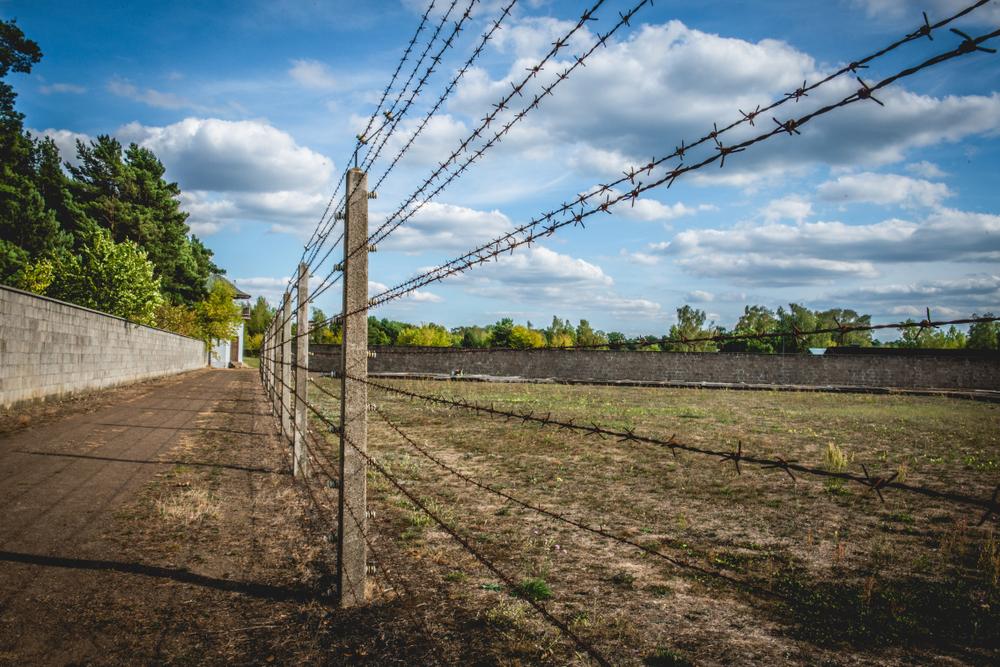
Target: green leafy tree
x=984 y=335
x=691 y=325
x=261 y=315
x=524 y=338
x=500 y=332
x=471 y=337
x=586 y=335
x=755 y=320
x=836 y=317
x=178 y=318
x=797 y=319
x=115 y=278
x=218 y=315
x=560 y=333
x=930 y=339
x=427 y=335
x=124 y=191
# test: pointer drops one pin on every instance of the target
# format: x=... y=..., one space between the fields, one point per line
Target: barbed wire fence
x=341 y=476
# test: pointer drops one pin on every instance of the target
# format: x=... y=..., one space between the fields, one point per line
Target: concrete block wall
x=51 y=348
x=843 y=370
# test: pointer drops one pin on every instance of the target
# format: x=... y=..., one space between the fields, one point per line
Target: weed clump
x=533 y=588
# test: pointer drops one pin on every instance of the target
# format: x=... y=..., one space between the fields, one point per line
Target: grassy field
x=765 y=570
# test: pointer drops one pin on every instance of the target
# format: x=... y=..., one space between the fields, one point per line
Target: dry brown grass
x=801 y=572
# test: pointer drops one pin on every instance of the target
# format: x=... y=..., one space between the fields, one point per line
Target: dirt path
x=69 y=574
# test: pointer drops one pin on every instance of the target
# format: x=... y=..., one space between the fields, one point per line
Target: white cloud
x=62 y=88
x=416 y=296
x=758 y=269
x=150 y=96
x=539 y=277
x=642 y=258
x=668 y=82
x=699 y=296
x=270 y=288
x=233 y=171
x=970 y=290
x=222 y=155
x=446 y=226
x=944 y=235
x=313 y=74
x=926 y=169
x=884 y=189
x=787 y=208
x=65 y=141
x=650 y=210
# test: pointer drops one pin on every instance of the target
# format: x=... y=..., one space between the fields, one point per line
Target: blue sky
x=253 y=107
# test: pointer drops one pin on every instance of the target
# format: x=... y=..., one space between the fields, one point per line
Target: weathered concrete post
x=300 y=454
x=285 y=370
x=352 y=555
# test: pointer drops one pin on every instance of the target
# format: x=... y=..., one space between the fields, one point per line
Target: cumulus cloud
x=239 y=171
x=983 y=290
x=926 y=169
x=884 y=189
x=787 y=208
x=699 y=296
x=271 y=288
x=65 y=141
x=222 y=155
x=769 y=270
x=668 y=82
x=446 y=226
x=542 y=277
x=313 y=74
x=944 y=235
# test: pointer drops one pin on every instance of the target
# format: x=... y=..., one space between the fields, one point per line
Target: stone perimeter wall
x=51 y=348
x=842 y=370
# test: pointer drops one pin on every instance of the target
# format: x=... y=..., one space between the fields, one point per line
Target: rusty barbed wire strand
x=363 y=140
x=562 y=626
x=341 y=206
x=841 y=330
x=533 y=71
x=392 y=223
x=389 y=115
x=875 y=484
x=494 y=26
x=371 y=119
x=398 y=218
x=398 y=585
x=749 y=117
x=512 y=240
x=565 y=519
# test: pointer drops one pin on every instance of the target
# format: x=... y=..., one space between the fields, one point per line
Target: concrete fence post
x=285 y=370
x=300 y=452
x=352 y=511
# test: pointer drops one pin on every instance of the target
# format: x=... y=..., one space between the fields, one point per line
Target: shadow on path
x=196 y=464
x=264 y=591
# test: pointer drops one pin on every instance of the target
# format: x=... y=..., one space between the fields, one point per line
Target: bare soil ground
x=801 y=572
x=158 y=524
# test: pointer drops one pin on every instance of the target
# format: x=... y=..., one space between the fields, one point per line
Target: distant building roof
x=215 y=277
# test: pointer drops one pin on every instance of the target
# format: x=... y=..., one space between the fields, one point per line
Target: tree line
x=692 y=323
x=107 y=232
